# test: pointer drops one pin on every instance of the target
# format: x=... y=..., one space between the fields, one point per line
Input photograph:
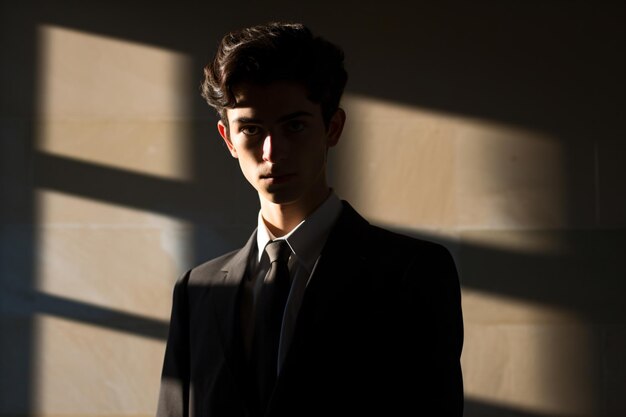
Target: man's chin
x=281 y=199
x=282 y=196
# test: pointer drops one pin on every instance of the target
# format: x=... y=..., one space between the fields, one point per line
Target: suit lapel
x=225 y=304
x=341 y=262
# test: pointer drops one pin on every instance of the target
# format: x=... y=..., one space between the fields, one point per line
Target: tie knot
x=278 y=250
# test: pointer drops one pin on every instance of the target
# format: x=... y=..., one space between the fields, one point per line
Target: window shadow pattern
x=474 y=92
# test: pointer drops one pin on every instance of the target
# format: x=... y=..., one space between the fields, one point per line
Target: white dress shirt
x=306 y=241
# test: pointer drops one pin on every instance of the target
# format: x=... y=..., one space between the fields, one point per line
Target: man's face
x=280 y=139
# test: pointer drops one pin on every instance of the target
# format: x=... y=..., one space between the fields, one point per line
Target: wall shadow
x=17 y=209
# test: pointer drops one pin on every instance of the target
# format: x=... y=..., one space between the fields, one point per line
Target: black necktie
x=269 y=316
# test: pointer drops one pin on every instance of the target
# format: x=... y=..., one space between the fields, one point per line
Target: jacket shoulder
x=205 y=271
x=384 y=244
x=216 y=263
x=387 y=241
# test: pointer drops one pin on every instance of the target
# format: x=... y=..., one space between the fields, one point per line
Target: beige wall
x=494 y=129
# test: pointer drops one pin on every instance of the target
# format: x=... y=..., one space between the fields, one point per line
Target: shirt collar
x=307 y=238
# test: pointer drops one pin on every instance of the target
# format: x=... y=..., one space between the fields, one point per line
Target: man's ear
x=335 y=127
x=224 y=133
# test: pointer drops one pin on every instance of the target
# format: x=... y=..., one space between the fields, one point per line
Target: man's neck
x=281 y=219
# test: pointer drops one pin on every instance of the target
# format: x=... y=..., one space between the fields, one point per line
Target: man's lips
x=278 y=178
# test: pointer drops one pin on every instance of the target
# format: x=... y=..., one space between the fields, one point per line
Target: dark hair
x=276 y=52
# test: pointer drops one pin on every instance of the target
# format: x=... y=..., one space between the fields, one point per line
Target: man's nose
x=275 y=147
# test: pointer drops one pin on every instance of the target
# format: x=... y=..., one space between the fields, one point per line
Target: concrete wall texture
x=495 y=128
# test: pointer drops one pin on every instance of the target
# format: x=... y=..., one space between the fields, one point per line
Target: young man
x=320 y=313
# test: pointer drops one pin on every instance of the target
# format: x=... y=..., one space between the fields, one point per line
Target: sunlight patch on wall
x=486 y=308
x=526 y=367
x=415 y=168
x=91 y=371
x=113 y=102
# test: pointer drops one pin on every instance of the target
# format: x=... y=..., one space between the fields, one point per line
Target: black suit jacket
x=379 y=331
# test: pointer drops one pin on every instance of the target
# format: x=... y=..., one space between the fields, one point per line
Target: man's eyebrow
x=294 y=115
x=243 y=120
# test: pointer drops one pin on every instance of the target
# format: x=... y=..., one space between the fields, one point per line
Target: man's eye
x=295 y=126
x=250 y=130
